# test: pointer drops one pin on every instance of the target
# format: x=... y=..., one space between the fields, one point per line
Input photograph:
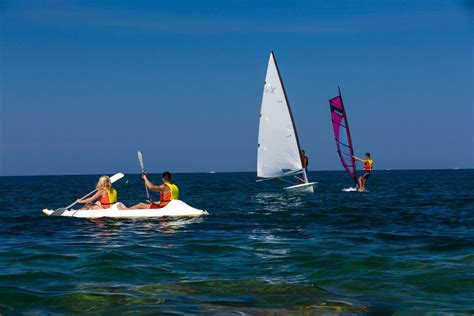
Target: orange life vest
x=368 y=165
x=172 y=194
x=165 y=198
x=110 y=199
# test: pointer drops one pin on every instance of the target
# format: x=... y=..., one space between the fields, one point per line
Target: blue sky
x=84 y=84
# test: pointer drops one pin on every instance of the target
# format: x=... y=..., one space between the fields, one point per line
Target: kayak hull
x=175 y=208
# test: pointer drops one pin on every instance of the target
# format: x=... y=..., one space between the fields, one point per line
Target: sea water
x=406 y=246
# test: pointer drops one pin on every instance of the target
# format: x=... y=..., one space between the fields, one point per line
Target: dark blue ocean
x=407 y=246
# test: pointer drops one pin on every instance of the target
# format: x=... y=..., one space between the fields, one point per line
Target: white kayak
x=175 y=208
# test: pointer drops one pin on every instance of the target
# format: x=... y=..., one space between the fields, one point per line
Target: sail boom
x=293 y=173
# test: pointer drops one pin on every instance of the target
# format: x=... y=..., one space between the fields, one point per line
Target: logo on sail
x=268 y=88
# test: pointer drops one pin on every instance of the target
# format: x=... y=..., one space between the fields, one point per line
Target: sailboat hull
x=303 y=188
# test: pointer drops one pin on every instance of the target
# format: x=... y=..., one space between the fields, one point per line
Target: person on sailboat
x=105 y=197
x=368 y=162
x=304 y=163
x=304 y=160
x=168 y=191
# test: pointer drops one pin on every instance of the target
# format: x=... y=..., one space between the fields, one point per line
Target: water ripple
x=405 y=247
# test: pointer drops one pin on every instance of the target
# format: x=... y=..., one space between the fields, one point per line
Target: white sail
x=278 y=147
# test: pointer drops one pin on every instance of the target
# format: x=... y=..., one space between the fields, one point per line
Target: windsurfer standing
x=368 y=162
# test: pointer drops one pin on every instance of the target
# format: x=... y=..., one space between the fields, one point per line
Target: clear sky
x=84 y=84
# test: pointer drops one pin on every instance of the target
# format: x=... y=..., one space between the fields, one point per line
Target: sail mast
x=348 y=135
x=341 y=129
x=291 y=115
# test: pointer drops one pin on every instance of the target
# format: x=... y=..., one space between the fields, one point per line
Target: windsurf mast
x=343 y=140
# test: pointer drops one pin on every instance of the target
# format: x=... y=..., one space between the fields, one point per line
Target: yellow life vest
x=368 y=165
x=172 y=194
x=174 y=191
x=110 y=199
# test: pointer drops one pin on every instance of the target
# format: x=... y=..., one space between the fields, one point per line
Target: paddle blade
x=58 y=212
x=116 y=177
x=140 y=160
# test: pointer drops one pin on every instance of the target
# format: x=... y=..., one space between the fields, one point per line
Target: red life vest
x=110 y=199
x=165 y=198
x=368 y=165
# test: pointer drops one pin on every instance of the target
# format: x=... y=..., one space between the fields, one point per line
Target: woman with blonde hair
x=105 y=197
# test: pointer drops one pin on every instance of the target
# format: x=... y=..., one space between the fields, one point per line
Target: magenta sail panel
x=342 y=135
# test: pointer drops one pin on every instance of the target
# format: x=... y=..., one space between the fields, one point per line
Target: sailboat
x=278 y=154
x=342 y=135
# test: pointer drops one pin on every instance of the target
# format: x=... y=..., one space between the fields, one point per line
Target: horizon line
x=215 y=172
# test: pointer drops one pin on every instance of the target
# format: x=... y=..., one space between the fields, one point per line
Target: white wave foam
x=349 y=189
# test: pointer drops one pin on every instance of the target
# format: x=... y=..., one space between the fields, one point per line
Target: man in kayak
x=367 y=169
x=168 y=191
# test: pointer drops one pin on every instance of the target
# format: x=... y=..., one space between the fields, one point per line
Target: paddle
x=61 y=210
x=140 y=160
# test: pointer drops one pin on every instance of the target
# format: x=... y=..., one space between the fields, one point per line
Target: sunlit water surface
x=406 y=246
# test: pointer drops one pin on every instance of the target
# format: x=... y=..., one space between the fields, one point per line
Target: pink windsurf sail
x=342 y=135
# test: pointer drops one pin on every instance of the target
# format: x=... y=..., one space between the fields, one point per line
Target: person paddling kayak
x=168 y=191
x=368 y=162
x=105 y=197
